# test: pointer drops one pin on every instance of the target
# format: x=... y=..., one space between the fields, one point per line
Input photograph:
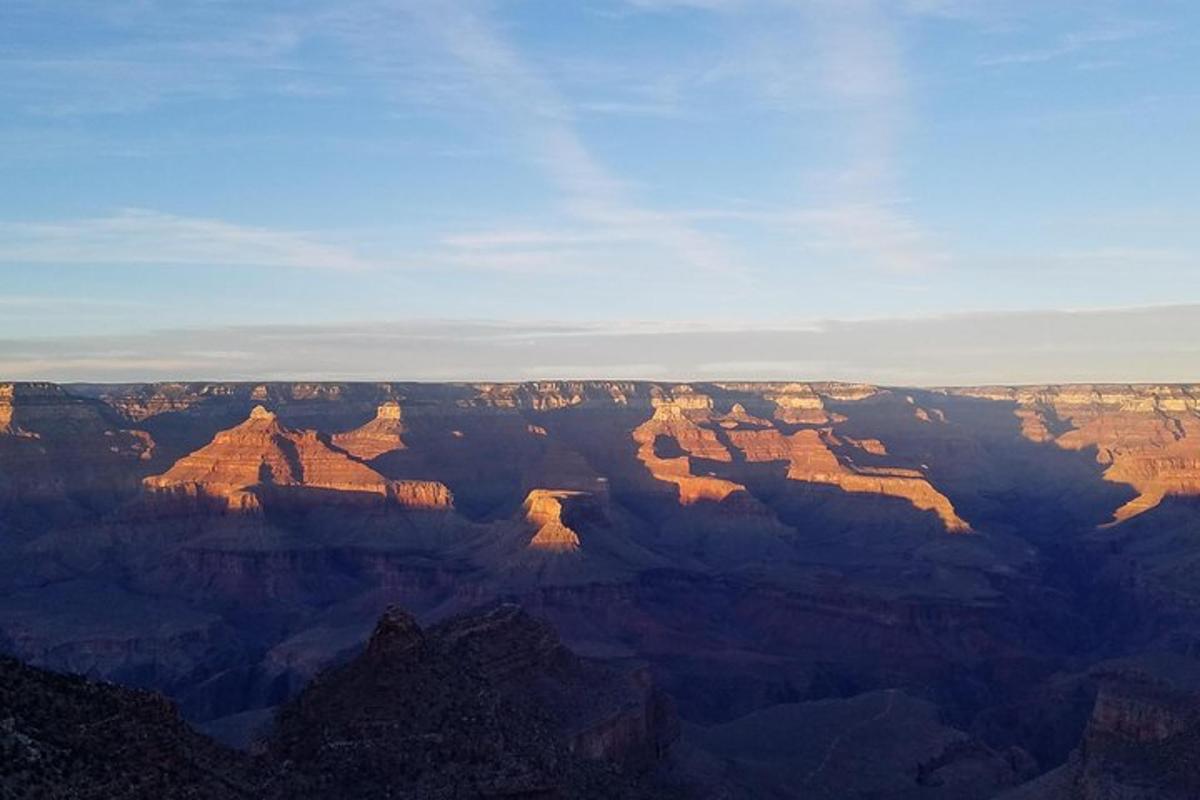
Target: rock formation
x=810 y=457
x=483 y=705
x=758 y=547
x=260 y=455
x=1147 y=436
x=1142 y=740
x=687 y=421
x=798 y=404
x=544 y=510
x=381 y=435
x=882 y=744
x=63 y=736
x=674 y=419
x=60 y=450
x=6 y=408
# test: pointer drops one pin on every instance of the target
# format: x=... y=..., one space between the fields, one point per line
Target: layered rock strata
x=243 y=463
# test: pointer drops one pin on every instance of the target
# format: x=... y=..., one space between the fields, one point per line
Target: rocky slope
x=885 y=745
x=487 y=705
x=1142 y=740
x=65 y=737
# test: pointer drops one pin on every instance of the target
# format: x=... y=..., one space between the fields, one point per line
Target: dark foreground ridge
x=485 y=705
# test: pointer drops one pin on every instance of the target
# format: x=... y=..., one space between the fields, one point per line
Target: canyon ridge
x=713 y=590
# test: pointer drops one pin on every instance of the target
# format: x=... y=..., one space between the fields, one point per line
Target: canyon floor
x=761 y=590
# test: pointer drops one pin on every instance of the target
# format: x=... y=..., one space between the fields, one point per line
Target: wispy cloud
x=543 y=119
x=186 y=53
x=671 y=5
x=842 y=65
x=142 y=237
x=1075 y=43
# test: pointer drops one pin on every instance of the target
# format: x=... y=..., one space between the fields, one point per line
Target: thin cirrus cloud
x=851 y=58
x=1075 y=43
x=593 y=195
x=847 y=60
x=143 y=237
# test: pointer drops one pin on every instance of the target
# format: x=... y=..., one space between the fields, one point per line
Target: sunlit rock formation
x=1147 y=436
x=810 y=458
x=544 y=509
x=686 y=424
x=261 y=454
x=797 y=403
x=381 y=435
x=6 y=408
x=674 y=420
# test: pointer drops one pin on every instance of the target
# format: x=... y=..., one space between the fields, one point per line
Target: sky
x=897 y=191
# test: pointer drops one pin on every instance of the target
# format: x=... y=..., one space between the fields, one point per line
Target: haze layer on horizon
x=898 y=191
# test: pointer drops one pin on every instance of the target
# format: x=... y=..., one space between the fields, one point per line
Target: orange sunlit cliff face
x=262 y=454
x=1146 y=437
x=797 y=434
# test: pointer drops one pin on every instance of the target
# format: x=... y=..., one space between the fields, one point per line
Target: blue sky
x=704 y=165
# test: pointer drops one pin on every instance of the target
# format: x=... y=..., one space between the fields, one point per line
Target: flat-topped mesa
x=675 y=420
x=383 y=434
x=811 y=459
x=544 y=510
x=260 y=455
x=798 y=404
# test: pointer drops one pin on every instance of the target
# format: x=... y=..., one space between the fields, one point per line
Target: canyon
x=786 y=589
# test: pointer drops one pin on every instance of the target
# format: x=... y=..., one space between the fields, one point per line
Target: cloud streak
x=143 y=237
x=843 y=64
x=1074 y=43
x=543 y=120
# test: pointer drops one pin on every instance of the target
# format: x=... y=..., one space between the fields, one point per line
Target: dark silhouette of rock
x=486 y=705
